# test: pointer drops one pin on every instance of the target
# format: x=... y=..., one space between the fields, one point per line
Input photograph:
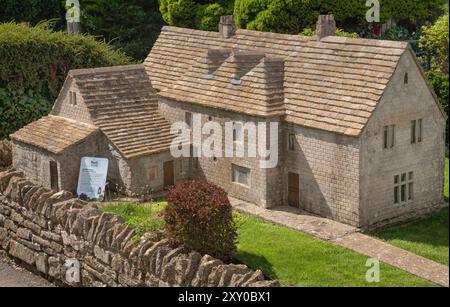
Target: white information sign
x=92 y=178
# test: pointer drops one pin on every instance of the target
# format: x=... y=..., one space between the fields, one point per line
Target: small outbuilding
x=108 y=113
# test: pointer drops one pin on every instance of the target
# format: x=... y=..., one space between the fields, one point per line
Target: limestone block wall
x=140 y=177
x=403 y=102
x=328 y=169
x=48 y=232
x=261 y=190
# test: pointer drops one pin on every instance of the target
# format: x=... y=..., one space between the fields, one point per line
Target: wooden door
x=168 y=174
x=294 y=190
x=54 y=182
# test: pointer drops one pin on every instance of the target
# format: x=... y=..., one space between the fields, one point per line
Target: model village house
x=361 y=132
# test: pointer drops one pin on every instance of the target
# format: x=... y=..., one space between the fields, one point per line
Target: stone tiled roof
x=332 y=84
x=122 y=104
x=54 y=133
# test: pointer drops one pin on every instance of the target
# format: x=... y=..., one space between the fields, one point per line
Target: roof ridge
x=106 y=69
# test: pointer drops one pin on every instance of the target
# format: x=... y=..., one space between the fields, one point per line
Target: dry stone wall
x=49 y=231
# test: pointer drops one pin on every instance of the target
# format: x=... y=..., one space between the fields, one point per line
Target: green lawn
x=141 y=217
x=294 y=258
x=427 y=237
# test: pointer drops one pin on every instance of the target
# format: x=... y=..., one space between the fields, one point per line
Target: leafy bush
x=34 y=62
x=199 y=217
x=339 y=32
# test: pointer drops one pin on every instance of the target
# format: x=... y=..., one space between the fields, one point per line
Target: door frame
x=54 y=175
x=289 y=173
x=166 y=164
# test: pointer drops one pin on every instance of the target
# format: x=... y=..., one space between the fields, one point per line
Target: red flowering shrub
x=199 y=217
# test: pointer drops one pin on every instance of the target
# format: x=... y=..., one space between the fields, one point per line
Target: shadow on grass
x=256 y=262
x=432 y=230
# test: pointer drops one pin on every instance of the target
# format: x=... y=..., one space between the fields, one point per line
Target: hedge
x=34 y=62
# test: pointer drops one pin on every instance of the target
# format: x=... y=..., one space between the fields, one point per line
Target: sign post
x=92 y=178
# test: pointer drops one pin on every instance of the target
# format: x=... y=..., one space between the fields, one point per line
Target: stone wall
x=261 y=190
x=402 y=103
x=328 y=169
x=46 y=230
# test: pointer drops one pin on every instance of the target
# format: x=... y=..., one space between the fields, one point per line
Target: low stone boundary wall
x=55 y=233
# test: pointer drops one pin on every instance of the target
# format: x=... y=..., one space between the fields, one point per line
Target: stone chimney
x=326 y=26
x=226 y=26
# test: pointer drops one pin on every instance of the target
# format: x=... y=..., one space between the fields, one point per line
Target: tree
x=292 y=16
x=129 y=25
x=435 y=39
x=199 y=14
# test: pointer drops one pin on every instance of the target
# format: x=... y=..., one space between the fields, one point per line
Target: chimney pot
x=326 y=26
x=226 y=26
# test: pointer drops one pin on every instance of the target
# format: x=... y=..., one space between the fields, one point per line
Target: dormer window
x=405 y=78
x=73 y=98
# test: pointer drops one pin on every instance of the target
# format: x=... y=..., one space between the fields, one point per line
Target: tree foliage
x=34 y=62
x=129 y=25
x=32 y=11
x=200 y=14
x=292 y=16
x=435 y=39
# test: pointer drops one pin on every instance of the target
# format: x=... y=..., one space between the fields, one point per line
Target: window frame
x=291 y=141
x=188 y=119
x=403 y=188
x=389 y=132
x=240 y=170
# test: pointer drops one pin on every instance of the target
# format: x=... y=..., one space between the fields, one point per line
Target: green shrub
x=339 y=32
x=199 y=217
x=34 y=62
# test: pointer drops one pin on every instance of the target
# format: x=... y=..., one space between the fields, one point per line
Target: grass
x=427 y=237
x=294 y=258
x=141 y=218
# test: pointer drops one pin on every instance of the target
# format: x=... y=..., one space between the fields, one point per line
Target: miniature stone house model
x=104 y=112
x=361 y=136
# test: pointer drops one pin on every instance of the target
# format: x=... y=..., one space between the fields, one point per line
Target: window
x=73 y=98
x=388 y=136
x=194 y=162
x=182 y=166
x=238 y=132
x=406 y=77
x=152 y=174
x=188 y=119
x=403 y=188
x=291 y=141
x=416 y=131
x=240 y=175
